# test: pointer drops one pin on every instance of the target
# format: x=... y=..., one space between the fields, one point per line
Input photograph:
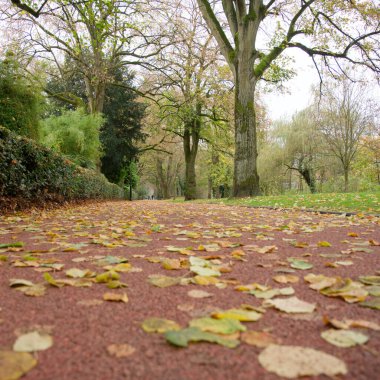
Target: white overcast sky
x=299 y=95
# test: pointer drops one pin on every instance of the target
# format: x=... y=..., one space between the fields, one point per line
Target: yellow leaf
x=13 y=365
x=116 y=297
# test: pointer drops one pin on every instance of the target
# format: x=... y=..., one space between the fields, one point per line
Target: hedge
x=32 y=171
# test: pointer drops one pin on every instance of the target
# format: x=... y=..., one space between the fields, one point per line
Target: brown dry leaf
x=205 y=280
x=293 y=361
x=291 y=305
x=171 y=264
x=120 y=350
x=266 y=249
x=13 y=365
x=286 y=278
x=258 y=338
x=351 y=323
x=163 y=281
x=116 y=297
x=319 y=281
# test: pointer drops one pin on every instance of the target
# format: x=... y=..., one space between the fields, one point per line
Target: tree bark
x=346 y=170
x=309 y=179
x=246 y=178
x=190 y=145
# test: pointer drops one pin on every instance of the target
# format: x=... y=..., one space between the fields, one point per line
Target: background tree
x=122 y=130
x=318 y=28
x=345 y=116
x=302 y=146
x=98 y=36
x=74 y=134
x=190 y=66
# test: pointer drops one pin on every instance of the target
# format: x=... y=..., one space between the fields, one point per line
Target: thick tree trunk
x=246 y=178
x=190 y=178
x=190 y=147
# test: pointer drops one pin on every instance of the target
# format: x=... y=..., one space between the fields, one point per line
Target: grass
x=339 y=202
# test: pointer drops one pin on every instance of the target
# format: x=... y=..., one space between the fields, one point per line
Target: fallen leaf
x=374 y=303
x=14 y=365
x=293 y=361
x=17 y=244
x=171 y=264
x=120 y=350
x=16 y=282
x=79 y=273
x=183 y=337
x=300 y=264
x=159 y=325
x=370 y=280
x=373 y=290
x=291 y=305
x=199 y=294
x=163 y=281
x=270 y=293
x=33 y=341
x=258 y=338
x=218 y=326
x=238 y=314
x=344 y=338
x=351 y=323
x=285 y=278
x=107 y=276
x=323 y=244
x=116 y=297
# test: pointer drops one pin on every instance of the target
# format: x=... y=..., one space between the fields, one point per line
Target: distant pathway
x=97 y=339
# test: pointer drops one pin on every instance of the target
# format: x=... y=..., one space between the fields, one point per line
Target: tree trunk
x=246 y=178
x=309 y=179
x=346 y=170
x=190 y=147
x=190 y=178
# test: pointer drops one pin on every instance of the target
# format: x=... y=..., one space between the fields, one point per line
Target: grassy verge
x=340 y=202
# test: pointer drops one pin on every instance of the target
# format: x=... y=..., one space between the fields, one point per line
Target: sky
x=299 y=95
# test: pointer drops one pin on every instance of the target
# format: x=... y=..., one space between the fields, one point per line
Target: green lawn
x=344 y=202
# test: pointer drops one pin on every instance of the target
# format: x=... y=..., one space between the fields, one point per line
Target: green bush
x=31 y=171
x=21 y=103
x=75 y=134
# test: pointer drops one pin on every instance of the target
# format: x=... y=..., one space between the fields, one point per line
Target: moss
x=251 y=16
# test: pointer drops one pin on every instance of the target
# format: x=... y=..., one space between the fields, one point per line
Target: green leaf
x=183 y=337
x=300 y=264
x=218 y=326
x=107 y=277
x=51 y=280
x=370 y=280
x=17 y=244
x=374 y=303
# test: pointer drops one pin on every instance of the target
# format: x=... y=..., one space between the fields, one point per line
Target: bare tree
x=253 y=35
x=187 y=83
x=345 y=115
